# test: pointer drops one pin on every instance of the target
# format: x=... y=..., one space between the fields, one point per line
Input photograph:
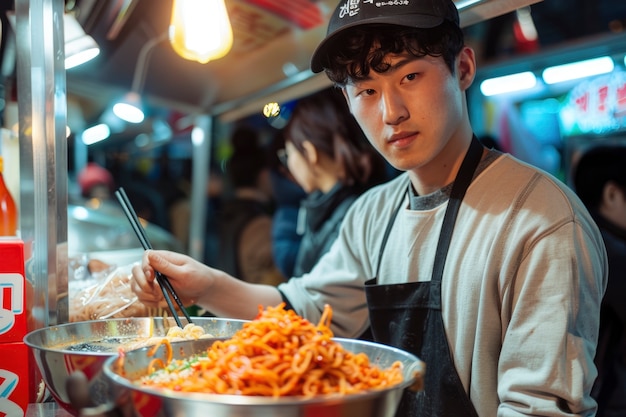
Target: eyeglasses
x=282 y=156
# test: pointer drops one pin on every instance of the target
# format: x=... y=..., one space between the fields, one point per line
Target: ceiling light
x=197 y=136
x=79 y=47
x=508 y=83
x=130 y=108
x=200 y=30
x=95 y=134
x=527 y=28
x=271 y=109
x=576 y=70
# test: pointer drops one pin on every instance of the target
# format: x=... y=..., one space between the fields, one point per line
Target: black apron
x=408 y=316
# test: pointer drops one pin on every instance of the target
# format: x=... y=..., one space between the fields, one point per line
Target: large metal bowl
x=53 y=349
x=135 y=400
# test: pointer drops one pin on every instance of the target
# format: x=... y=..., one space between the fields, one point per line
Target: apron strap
x=460 y=186
x=386 y=235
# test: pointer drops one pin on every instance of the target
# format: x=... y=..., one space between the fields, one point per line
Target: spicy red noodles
x=277 y=354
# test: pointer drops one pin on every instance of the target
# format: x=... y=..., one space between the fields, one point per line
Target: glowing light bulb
x=200 y=30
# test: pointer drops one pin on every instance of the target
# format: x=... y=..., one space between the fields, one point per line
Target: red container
x=12 y=291
x=15 y=359
x=14 y=379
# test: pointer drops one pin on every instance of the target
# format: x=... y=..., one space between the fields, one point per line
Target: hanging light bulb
x=200 y=29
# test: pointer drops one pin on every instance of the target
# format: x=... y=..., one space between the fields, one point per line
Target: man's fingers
x=150 y=295
x=165 y=262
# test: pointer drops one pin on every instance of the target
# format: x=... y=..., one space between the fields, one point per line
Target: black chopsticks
x=162 y=280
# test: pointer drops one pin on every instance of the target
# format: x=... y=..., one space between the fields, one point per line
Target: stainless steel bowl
x=142 y=401
x=54 y=350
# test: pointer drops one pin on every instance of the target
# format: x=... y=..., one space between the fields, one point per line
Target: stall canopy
x=273 y=42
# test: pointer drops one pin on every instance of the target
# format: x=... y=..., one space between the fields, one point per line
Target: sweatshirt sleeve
x=554 y=301
x=339 y=276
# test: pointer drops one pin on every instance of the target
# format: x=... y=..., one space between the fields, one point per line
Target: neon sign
x=595 y=106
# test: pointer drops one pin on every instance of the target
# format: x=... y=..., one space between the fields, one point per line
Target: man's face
x=415 y=112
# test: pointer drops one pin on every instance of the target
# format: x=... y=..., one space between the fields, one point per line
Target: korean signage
x=596 y=106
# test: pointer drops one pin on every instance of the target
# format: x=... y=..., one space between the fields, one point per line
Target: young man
x=491 y=271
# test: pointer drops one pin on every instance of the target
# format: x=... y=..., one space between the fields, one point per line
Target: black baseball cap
x=410 y=13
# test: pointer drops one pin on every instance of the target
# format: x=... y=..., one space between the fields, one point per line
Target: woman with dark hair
x=333 y=162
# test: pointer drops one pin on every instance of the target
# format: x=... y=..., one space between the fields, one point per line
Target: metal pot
x=142 y=401
x=54 y=350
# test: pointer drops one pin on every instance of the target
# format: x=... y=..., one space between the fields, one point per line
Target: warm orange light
x=200 y=29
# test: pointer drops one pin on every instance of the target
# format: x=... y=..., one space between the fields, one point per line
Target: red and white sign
x=14 y=376
x=596 y=106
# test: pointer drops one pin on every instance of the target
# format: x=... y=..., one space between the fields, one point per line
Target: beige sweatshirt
x=522 y=285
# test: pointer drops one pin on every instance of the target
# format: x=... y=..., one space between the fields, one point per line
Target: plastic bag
x=104 y=294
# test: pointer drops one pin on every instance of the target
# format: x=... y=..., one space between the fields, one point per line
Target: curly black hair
x=364 y=48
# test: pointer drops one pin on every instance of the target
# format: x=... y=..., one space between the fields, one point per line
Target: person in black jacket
x=245 y=218
x=286 y=230
x=328 y=155
x=600 y=181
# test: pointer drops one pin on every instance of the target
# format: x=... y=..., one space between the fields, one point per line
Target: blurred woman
x=328 y=155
